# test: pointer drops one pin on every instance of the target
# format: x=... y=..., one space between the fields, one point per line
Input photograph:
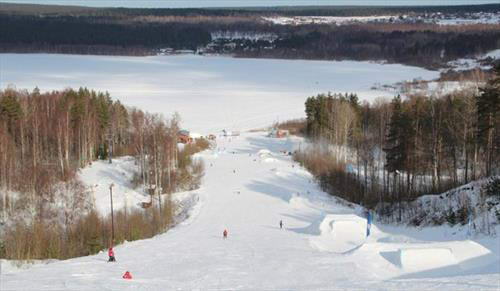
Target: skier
x=281 y=224
x=368 y=222
x=224 y=234
x=111 y=255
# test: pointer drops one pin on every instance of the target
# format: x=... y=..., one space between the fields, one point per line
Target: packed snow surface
x=322 y=244
x=210 y=93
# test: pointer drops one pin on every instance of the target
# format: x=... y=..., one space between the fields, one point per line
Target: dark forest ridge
x=354 y=10
x=425 y=36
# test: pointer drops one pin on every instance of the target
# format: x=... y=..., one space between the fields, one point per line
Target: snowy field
x=322 y=245
x=210 y=93
x=436 y=18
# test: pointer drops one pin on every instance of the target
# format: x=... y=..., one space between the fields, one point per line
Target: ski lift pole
x=112 y=218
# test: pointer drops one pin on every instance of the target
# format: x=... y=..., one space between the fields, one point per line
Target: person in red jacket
x=224 y=234
x=111 y=255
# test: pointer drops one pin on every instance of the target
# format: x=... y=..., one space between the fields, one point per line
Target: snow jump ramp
x=340 y=234
x=451 y=256
x=420 y=259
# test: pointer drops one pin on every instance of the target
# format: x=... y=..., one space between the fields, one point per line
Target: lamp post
x=112 y=219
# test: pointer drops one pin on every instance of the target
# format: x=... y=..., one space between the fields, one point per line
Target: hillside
x=322 y=245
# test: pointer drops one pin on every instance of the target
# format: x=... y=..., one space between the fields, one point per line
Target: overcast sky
x=242 y=3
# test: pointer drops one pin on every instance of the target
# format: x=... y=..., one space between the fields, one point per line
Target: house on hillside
x=184 y=137
x=278 y=133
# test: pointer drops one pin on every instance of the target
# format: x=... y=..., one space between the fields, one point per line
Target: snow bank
x=464 y=206
x=101 y=174
x=451 y=256
x=264 y=153
x=189 y=205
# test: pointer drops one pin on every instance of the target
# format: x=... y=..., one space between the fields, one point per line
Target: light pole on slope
x=112 y=219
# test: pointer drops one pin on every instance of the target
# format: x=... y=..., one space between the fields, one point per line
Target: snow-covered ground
x=473 y=63
x=100 y=175
x=473 y=18
x=338 y=20
x=495 y=54
x=248 y=188
x=436 y=18
x=210 y=93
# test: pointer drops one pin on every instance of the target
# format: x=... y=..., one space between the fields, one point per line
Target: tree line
x=33 y=32
x=46 y=137
x=420 y=45
x=393 y=152
x=425 y=45
x=305 y=10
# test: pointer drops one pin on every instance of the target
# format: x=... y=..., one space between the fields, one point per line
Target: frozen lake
x=210 y=93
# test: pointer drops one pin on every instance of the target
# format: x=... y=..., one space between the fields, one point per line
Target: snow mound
x=264 y=153
x=453 y=256
x=269 y=160
x=340 y=234
x=472 y=255
x=421 y=259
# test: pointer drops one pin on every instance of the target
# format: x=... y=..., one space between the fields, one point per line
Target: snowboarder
x=281 y=224
x=111 y=255
x=224 y=234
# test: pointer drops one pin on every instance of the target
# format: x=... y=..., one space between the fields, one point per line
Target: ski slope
x=248 y=188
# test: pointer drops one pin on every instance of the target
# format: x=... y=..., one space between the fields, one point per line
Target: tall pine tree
x=488 y=121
